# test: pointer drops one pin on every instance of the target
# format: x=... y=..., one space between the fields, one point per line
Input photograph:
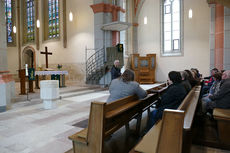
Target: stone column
x=212 y=36
x=226 y=39
x=104 y=13
x=219 y=36
x=3 y=53
x=6 y=80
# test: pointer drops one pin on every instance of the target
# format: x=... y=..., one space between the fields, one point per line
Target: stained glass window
x=171 y=27
x=9 y=25
x=30 y=20
x=53 y=11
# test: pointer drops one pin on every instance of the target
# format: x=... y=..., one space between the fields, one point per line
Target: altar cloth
x=51 y=72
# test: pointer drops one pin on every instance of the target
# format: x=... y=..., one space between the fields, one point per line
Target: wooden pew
x=223 y=122
x=105 y=119
x=171 y=130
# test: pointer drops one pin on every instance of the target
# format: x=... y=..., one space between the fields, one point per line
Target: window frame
x=179 y=52
x=25 y=25
x=13 y=21
x=46 y=22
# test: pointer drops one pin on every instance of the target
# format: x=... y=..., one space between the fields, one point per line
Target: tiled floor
x=28 y=128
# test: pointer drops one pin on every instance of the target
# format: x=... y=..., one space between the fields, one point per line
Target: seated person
x=198 y=75
x=115 y=70
x=191 y=79
x=125 y=86
x=222 y=98
x=185 y=82
x=171 y=99
x=209 y=81
x=213 y=90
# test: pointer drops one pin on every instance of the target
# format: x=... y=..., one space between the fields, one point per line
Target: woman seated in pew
x=222 y=98
x=196 y=71
x=171 y=99
x=193 y=81
x=213 y=90
x=125 y=86
x=185 y=82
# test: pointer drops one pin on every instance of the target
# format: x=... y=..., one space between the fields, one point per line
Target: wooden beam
x=222 y=2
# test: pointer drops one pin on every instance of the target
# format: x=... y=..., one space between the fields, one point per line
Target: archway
x=29 y=57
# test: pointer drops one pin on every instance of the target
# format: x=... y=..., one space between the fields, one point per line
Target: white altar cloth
x=51 y=72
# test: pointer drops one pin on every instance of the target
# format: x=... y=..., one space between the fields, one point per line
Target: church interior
x=57 y=61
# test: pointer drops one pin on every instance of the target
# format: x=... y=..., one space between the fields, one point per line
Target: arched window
x=52 y=19
x=10 y=21
x=29 y=21
x=171 y=24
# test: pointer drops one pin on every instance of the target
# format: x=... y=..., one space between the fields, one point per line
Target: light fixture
x=70 y=16
x=14 y=29
x=145 y=20
x=190 y=13
x=38 y=24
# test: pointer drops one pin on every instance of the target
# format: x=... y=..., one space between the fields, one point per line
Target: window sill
x=51 y=40
x=171 y=54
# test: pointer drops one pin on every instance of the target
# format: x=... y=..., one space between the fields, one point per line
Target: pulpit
x=144 y=68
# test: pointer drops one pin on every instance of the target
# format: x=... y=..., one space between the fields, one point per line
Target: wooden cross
x=46 y=53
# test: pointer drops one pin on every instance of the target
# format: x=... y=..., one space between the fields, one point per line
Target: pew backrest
x=222 y=116
x=189 y=105
x=168 y=133
x=105 y=119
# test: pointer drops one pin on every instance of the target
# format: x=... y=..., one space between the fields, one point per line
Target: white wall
x=196 y=38
x=80 y=33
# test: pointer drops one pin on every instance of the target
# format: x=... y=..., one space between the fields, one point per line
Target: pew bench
x=105 y=119
x=222 y=116
x=170 y=133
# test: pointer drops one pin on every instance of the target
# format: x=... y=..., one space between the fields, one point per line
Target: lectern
x=23 y=78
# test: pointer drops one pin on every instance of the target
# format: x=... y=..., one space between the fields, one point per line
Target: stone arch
x=29 y=57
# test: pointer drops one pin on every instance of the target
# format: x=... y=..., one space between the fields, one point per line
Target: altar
x=55 y=75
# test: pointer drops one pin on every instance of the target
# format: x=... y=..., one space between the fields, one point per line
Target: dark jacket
x=186 y=85
x=172 y=98
x=222 y=98
x=115 y=72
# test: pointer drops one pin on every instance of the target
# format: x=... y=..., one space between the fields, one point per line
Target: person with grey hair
x=185 y=82
x=125 y=86
x=222 y=98
x=115 y=70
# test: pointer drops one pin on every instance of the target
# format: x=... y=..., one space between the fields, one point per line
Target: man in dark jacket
x=222 y=98
x=172 y=98
x=208 y=84
x=115 y=70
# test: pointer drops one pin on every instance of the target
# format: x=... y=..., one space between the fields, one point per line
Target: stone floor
x=28 y=128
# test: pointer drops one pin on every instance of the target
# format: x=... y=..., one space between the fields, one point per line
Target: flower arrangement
x=59 y=66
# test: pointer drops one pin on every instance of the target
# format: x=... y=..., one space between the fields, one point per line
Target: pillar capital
x=106 y=8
